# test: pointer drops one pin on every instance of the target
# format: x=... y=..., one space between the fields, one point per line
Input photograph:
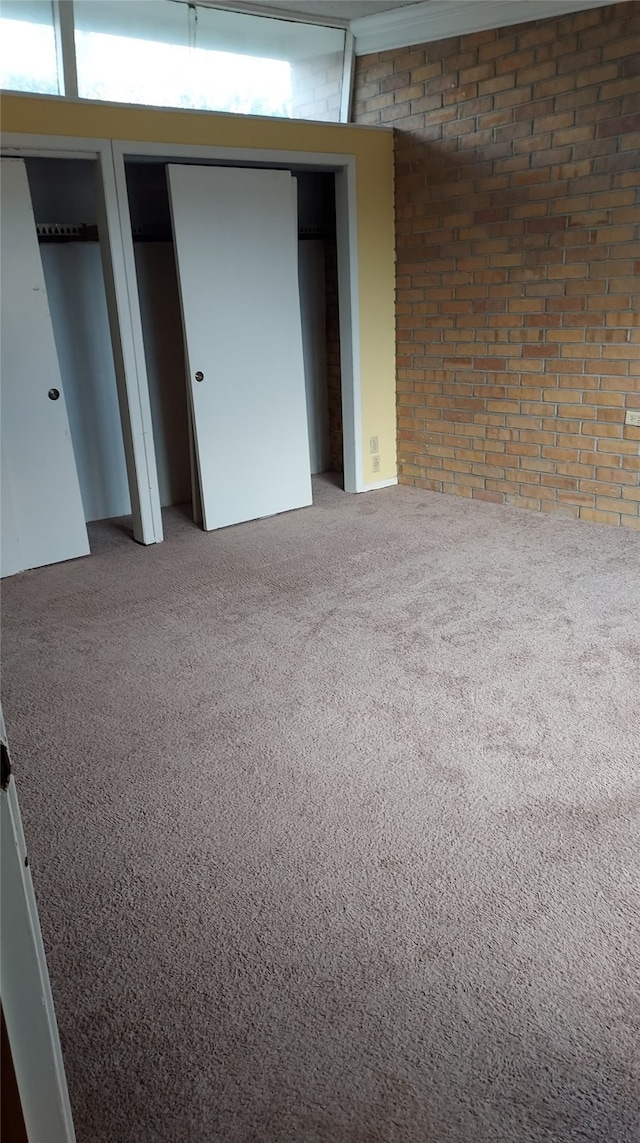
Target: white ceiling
x=343 y=10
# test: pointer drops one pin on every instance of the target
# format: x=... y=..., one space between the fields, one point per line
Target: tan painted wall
x=373 y=151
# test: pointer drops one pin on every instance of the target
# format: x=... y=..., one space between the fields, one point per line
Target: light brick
x=517 y=262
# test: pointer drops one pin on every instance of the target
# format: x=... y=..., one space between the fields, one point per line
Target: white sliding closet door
x=236 y=248
x=42 y=513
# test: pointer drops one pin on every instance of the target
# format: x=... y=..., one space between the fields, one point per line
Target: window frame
x=64 y=29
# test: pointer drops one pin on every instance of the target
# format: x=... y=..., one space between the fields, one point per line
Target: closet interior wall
x=318 y=270
x=163 y=332
x=64 y=198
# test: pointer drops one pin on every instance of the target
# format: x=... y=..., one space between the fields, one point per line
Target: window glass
x=171 y=54
x=28 y=53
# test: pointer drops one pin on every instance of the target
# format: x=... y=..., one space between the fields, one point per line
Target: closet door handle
x=199 y=376
x=53 y=394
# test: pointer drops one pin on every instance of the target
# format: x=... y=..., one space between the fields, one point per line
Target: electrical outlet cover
x=632 y=417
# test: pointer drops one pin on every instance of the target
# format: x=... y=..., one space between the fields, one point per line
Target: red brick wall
x=518 y=226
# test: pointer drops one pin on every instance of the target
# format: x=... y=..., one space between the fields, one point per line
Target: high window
x=166 y=53
x=28 y=49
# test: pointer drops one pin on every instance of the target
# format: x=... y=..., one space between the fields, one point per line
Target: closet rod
x=88 y=232
x=67 y=232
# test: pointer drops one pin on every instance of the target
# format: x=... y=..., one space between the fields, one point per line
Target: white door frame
x=128 y=353
x=344 y=169
x=27 y=1002
x=124 y=305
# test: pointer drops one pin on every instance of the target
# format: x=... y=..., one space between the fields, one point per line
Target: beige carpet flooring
x=333 y=821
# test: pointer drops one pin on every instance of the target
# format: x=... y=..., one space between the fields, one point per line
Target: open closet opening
x=64 y=197
x=318 y=275
x=163 y=331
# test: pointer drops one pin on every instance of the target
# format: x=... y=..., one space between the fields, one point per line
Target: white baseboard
x=379 y=484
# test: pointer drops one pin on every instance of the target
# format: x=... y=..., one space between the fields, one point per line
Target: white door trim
x=122 y=297
x=27 y=1002
x=344 y=168
x=120 y=274
x=349 y=318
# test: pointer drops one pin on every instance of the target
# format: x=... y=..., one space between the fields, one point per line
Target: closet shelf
x=161 y=233
x=88 y=232
x=312 y=232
